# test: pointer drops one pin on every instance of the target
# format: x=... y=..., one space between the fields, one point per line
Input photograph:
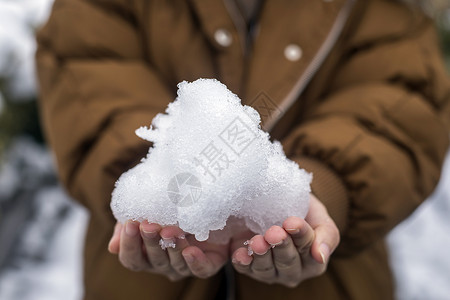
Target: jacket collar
x=216 y=15
x=272 y=82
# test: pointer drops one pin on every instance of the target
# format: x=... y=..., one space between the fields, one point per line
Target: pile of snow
x=209 y=161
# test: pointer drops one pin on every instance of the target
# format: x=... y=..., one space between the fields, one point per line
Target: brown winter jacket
x=356 y=91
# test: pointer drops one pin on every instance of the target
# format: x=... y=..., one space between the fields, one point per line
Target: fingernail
x=292 y=230
x=131 y=228
x=238 y=262
x=324 y=252
x=276 y=244
x=260 y=253
x=149 y=230
x=188 y=258
x=149 y=234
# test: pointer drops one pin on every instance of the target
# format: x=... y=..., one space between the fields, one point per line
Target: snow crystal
x=249 y=243
x=211 y=161
x=167 y=243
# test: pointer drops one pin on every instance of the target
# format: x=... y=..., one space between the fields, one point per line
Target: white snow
x=27 y=163
x=43 y=239
x=209 y=161
x=420 y=247
x=48 y=267
x=18 y=22
x=167 y=243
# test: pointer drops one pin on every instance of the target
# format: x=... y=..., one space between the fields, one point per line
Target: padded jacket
x=356 y=91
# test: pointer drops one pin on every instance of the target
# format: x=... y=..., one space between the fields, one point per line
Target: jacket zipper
x=295 y=92
x=239 y=23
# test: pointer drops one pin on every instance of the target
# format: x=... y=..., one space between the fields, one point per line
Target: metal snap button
x=223 y=37
x=293 y=52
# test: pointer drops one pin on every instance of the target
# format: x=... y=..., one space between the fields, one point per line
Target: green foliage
x=19 y=118
x=445 y=40
x=443 y=25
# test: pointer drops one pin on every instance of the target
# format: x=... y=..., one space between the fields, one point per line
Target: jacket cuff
x=328 y=188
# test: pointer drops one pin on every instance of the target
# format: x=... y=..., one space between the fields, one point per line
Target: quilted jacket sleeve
x=95 y=90
x=376 y=144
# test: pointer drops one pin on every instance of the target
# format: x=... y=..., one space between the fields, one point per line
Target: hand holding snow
x=209 y=161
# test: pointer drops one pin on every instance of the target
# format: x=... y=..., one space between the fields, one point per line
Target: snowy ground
x=47 y=265
x=18 y=20
x=41 y=229
x=420 y=247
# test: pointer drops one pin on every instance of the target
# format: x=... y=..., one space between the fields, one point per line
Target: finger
x=176 y=236
x=202 y=264
x=262 y=265
x=326 y=241
x=327 y=234
x=241 y=261
x=130 y=254
x=285 y=255
x=302 y=235
x=158 y=258
x=114 y=243
x=238 y=240
x=317 y=212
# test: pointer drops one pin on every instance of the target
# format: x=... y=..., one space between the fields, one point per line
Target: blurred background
x=42 y=229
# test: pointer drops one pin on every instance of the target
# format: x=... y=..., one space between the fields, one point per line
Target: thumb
x=326 y=241
x=326 y=233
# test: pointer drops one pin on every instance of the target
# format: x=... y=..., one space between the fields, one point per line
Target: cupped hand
x=287 y=255
x=137 y=245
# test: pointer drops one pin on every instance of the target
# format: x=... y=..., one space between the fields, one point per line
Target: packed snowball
x=211 y=170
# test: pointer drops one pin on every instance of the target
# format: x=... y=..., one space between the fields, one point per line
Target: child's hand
x=290 y=254
x=139 y=250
